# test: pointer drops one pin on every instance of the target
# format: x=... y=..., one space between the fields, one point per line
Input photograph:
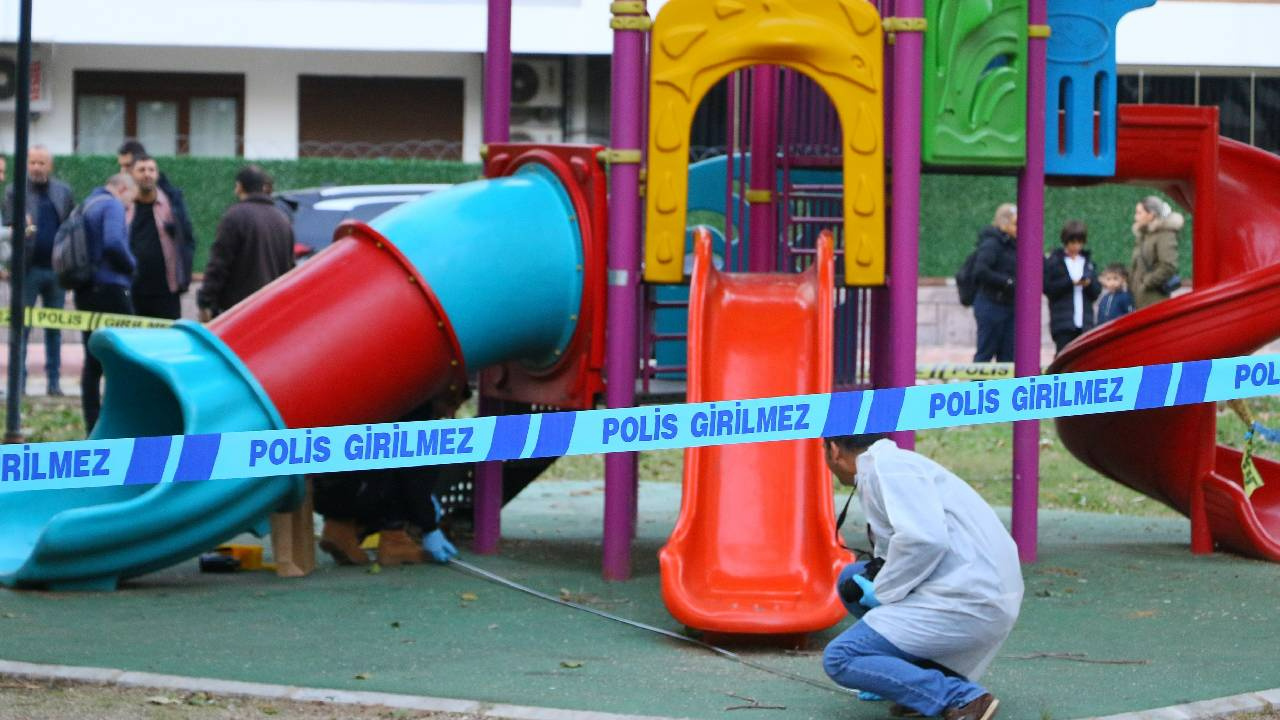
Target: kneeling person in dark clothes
x=399 y=504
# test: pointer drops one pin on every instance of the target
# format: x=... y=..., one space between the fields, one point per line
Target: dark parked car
x=315 y=212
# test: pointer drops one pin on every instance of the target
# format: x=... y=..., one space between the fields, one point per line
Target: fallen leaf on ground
x=162 y=700
x=571 y=664
x=1141 y=614
x=469 y=597
x=362 y=676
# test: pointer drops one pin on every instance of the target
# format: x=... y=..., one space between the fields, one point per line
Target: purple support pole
x=879 y=357
x=904 y=260
x=497 y=74
x=764 y=167
x=626 y=133
x=1026 y=355
x=487 y=497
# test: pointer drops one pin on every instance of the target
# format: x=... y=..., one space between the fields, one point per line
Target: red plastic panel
x=331 y=351
x=577 y=378
x=1171 y=454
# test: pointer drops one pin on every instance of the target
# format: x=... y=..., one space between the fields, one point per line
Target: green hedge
x=208 y=183
x=952 y=207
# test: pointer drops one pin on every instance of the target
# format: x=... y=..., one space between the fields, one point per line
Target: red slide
x=1171 y=454
x=754 y=549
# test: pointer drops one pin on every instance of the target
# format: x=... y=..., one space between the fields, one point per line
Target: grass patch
x=980 y=454
x=46 y=419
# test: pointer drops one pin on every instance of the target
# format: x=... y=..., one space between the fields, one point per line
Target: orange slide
x=754 y=550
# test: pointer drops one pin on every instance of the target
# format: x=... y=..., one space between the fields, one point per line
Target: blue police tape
x=194 y=458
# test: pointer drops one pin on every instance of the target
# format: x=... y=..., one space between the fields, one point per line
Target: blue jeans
x=41 y=282
x=862 y=658
x=995 y=330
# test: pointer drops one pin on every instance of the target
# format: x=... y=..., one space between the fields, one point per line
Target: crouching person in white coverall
x=946 y=596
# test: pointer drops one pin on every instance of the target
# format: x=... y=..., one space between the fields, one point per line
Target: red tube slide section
x=1172 y=454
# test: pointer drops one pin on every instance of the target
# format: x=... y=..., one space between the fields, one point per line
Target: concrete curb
x=1202 y=710
x=108 y=676
x=1208 y=709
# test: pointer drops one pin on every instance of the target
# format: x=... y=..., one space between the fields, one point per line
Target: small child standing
x=1116 y=299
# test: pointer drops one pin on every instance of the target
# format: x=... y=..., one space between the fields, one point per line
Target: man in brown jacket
x=253 y=246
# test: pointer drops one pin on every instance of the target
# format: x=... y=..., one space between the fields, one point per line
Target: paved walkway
x=1119 y=616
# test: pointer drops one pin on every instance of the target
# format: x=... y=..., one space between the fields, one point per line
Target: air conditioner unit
x=536 y=133
x=537 y=83
x=41 y=74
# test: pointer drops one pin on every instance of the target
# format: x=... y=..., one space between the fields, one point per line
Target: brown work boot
x=983 y=708
x=395 y=547
x=341 y=539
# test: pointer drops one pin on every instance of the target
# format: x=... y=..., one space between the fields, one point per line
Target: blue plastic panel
x=1080 y=99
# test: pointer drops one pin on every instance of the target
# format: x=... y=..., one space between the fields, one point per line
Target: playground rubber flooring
x=1118 y=616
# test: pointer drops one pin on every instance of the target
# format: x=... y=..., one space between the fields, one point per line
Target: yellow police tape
x=59 y=319
x=964 y=371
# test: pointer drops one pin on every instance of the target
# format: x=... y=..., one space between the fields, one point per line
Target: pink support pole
x=904 y=258
x=626 y=133
x=487 y=496
x=1026 y=355
x=764 y=167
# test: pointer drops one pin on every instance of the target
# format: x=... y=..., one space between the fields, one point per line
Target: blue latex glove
x=868 y=696
x=439 y=547
x=869 y=599
x=435 y=502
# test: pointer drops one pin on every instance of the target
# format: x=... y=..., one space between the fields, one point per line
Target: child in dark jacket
x=1071 y=284
x=1116 y=299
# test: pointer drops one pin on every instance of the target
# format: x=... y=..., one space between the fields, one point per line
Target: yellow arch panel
x=838 y=43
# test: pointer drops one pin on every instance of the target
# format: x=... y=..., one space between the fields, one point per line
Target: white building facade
x=283 y=78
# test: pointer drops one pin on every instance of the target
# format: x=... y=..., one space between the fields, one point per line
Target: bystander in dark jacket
x=160 y=243
x=49 y=203
x=1071 y=285
x=107 y=235
x=253 y=246
x=996 y=268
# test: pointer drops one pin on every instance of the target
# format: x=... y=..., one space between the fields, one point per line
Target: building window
x=1266 y=113
x=170 y=113
x=341 y=116
x=1248 y=103
x=1231 y=95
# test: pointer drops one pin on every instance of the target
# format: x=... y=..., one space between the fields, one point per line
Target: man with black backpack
x=995 y=270
x=107 y=237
